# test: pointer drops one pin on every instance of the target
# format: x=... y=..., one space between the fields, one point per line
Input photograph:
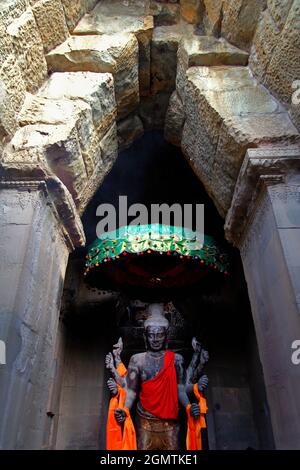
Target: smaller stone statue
x=114 y=363
x=195 y=368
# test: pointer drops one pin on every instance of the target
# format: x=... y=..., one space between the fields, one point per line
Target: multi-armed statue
x=158 y=381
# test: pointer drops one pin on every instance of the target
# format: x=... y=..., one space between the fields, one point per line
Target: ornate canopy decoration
x=156 y=258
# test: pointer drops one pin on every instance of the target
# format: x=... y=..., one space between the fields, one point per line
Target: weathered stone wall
x=226 y=113
x=218 y=109
x=28 y=30
x=34 y=256
x=231 y=409
x=272 y=290
x=63 y=125
x=275 y=54
x=263 y=222
x=141 y=55
x=267 y=29
x=84 y=397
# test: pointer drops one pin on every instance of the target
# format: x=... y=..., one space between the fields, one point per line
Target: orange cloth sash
x=193 y=437
x=129 y=436
x=114 y=435
x=116 y=439
x=121 y=369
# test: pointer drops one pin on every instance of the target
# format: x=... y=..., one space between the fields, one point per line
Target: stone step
x=96 y=89
x=111 y=17
x=205 y=50
x=115 y=53
x=227 y=111
x=194 y=50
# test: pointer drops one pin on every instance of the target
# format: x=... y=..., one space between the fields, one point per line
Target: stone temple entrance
x=92 y=320
x=80 y=82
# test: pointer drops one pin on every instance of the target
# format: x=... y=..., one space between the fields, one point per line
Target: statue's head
x=156 y=328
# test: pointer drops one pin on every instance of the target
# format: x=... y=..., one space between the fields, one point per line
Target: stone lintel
x=261 y=167
x=61 y=202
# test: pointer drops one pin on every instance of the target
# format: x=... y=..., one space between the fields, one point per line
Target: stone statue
x=157 y=381
x=194 y=370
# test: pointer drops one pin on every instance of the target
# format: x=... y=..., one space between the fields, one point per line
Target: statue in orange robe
x=157 y=380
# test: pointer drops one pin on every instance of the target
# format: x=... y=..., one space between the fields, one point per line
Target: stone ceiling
x=80 y=84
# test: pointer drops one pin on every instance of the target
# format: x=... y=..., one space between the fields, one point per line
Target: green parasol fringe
x=143 y=240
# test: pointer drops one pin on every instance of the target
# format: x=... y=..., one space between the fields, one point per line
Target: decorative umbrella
x=154 y=261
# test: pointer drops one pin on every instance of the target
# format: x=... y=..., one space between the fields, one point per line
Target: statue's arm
x=191 y=368
x=196 y=345
x=202 y=384
x=181 y=383
x=132 y=382
x=117 y=350
x=131 y=386
x=109 y=363
x=181 y=380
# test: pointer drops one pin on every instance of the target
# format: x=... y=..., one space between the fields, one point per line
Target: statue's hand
x=196 y=345
x=120 y=415
x=109 y=361
x=195 y=410
x=117 y=350
x=204 y=357
x=203 y=382
x=112 y=387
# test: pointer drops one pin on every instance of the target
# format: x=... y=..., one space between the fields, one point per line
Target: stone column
x=264 y=222
x=39 y=226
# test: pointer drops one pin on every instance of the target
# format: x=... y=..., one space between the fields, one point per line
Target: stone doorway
x=204 y=76
x=92 y=320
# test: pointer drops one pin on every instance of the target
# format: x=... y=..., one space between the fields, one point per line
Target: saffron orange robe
x=120 y=437
x=193 y=437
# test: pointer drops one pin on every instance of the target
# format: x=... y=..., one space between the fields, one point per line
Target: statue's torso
x=150 y=365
